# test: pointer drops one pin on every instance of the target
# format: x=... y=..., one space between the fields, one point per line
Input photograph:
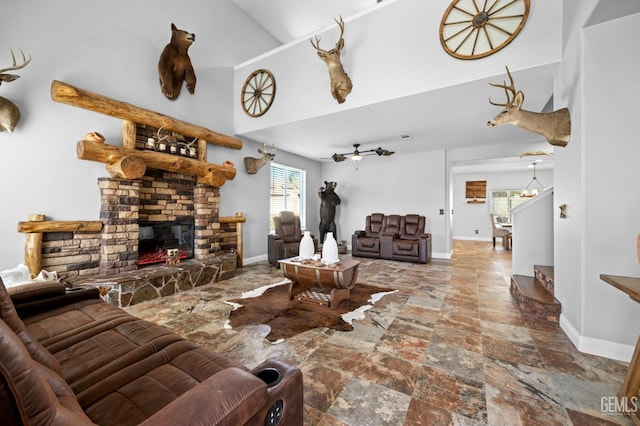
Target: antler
x=341 y=25
x=10 y=77
x=507 y=89
x=340 y=39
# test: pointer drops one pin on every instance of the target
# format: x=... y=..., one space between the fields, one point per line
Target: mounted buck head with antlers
x=340 y=82
x=554 y=126
x=9 y=112
x=254 y=164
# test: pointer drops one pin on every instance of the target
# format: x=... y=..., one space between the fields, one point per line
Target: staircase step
x=545 y=275
x=534 y=300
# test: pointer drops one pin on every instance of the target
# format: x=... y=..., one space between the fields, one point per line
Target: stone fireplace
x=152 y=189
x=179 y=213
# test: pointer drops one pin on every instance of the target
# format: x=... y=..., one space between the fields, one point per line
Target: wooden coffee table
x=316 y=282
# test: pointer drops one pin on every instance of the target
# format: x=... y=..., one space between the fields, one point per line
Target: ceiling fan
x=357 y=155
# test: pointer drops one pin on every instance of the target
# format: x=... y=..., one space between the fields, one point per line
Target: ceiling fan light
x=356 y=157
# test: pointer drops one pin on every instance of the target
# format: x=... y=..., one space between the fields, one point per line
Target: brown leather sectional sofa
x=68 y=358
x=393 y=237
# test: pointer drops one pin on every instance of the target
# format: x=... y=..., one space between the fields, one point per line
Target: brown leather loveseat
x=69 y=358
x=393 y=237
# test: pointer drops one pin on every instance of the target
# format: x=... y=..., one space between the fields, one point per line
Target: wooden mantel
x=68 y=94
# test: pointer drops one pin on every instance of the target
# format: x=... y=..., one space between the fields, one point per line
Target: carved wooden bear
x=328 y=209
x=174 y=65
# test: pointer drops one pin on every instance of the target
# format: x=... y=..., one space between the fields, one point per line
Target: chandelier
x=534 y=186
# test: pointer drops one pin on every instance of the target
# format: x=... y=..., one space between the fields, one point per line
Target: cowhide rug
x=270 y=305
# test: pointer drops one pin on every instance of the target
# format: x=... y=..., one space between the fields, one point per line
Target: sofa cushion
x=41 y=397
x=34 y=290
x=368 y=244
x=393 y=224
x=375 y=224
x=9 y=315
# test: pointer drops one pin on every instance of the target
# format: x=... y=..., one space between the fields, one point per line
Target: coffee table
x=316 y=282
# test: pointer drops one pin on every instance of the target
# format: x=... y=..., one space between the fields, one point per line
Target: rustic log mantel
x=68 y=94
x=127 y=162
x=207 y=174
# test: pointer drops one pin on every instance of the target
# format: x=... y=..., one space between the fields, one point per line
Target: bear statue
x=328 y=209
x=174 y=66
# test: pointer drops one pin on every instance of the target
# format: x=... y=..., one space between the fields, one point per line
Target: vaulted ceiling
x=463 y=126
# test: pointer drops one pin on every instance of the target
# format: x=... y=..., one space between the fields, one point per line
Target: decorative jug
x=307 y=248
x=330 y=249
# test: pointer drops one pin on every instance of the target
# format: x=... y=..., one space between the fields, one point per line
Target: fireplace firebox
x=157 y=238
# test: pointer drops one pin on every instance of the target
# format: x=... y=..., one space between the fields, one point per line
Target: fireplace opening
x=159 y=238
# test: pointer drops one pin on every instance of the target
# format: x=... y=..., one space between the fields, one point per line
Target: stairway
x=535 y=295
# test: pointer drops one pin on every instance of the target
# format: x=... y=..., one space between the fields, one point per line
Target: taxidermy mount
x=174 y=66
x=340 y=82
x=9 y=112
x=554 y=126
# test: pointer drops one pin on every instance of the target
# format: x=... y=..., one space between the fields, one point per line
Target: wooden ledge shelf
x=127 y=162
x=68 y=94
x=114 y=157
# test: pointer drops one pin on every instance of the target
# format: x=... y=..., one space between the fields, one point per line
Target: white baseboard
x=466 y=238
x=599 y=347
x=255 y=259
x=440 y=255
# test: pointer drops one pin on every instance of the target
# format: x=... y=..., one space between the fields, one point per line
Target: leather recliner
x=285 y=243
x=366 y=243
x=393 y=237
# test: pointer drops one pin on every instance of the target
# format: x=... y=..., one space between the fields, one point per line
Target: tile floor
x=450 y=348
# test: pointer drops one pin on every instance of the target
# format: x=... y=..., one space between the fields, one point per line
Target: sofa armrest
x=230 y=397
x=386 y=244
x=275 y=249
x=425 y=248
x=286 y=392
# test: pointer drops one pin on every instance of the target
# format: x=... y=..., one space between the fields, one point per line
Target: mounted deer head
x=554 y=126
x=255 y=164
x=340 y=82
x=9 y=112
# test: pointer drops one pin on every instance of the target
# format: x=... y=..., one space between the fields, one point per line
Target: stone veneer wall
x=119 y=213
x=158 y=196
x=71 y=253
x=228 y=237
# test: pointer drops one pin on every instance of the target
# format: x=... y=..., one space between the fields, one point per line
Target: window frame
x=301 y=193
x=512 y=195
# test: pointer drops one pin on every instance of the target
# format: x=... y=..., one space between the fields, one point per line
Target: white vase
x=307 y=249
x=330 y=249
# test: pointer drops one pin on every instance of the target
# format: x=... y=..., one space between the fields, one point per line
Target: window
x=503 y=201
x=287 y=189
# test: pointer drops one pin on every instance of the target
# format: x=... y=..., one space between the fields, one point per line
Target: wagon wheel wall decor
x=258 y=92
x=473 y=29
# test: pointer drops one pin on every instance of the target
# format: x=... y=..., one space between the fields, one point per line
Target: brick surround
x=109 y=259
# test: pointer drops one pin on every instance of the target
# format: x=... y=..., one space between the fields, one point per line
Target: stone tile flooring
x=450 y=348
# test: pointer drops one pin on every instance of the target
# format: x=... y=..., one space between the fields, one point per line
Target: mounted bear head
x=174 y=66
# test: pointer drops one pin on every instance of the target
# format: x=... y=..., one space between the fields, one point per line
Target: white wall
x=377 y=45
x=594 y=177
x=250 y=195
x=469 y=217
x=401 y=184
x=112 y=48
x=533 y=234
